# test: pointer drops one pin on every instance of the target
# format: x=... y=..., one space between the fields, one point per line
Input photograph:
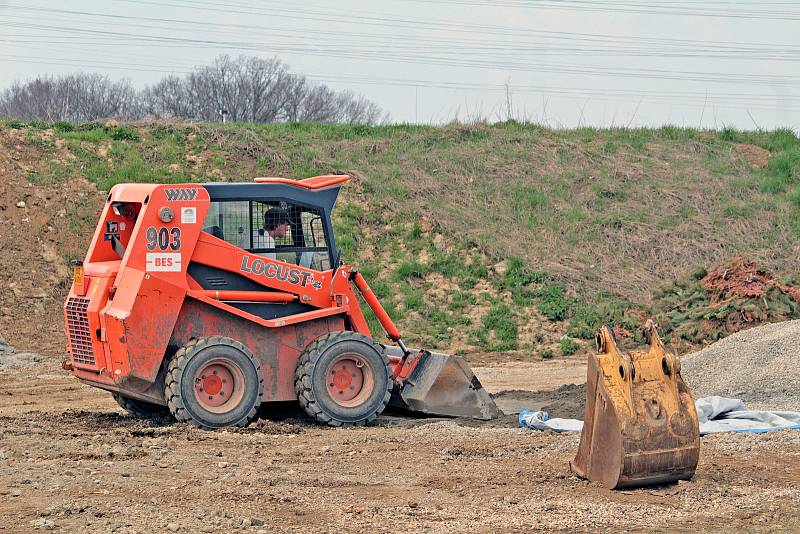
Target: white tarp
x=715 y=414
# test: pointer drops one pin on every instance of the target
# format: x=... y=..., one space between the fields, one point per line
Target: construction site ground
x=70 y=460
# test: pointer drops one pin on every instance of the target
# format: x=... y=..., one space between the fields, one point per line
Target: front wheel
x=343 y=379
x=213 y=382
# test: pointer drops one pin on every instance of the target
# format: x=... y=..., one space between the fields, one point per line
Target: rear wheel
x=343 y=379
x=213 y=382
x=139 y=408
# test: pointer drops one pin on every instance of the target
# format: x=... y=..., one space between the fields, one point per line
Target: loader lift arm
x=426 y=382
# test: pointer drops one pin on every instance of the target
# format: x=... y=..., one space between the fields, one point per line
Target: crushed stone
x=759 y=366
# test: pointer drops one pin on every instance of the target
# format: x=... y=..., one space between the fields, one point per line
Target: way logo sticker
x=180 y=194
x=165 y=262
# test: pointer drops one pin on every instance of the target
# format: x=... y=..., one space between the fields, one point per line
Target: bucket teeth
x=640 y=426
x=443 y=385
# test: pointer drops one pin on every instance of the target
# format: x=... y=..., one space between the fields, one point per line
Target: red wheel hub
x=214 y=384
x=346 y=378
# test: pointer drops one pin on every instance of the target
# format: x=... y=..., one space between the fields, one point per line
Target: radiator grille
x=80 y=336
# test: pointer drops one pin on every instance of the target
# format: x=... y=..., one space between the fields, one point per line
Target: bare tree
x=168 y=97
x=254 y=89
x=75 y=97
x=355 y=109
x=250 y=89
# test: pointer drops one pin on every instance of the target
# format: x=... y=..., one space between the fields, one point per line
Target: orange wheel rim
x=349 y=380
x=219 y=386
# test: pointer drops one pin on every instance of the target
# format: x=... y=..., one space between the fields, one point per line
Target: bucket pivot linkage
x=640 y=425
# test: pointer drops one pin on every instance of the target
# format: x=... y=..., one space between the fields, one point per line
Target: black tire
x=139 y=408
x=181 y=393
x=311 y=378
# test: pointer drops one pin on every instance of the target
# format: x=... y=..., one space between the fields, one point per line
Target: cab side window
x=274 y=229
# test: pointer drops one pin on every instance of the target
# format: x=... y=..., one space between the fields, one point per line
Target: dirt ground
x=71 y=461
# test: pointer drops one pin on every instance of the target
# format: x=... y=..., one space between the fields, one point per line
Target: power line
x=377 y=37
x=692 y=9
x=415 y=57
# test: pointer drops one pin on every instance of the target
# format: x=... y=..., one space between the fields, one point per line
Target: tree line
x=248 y=89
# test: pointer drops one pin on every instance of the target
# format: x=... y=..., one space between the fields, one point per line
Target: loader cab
x=237 y=215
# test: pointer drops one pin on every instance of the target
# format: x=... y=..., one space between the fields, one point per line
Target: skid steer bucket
x=640 y=426
x=445 y=386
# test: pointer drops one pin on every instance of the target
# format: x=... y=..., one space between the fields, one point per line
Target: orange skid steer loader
x=213 y=299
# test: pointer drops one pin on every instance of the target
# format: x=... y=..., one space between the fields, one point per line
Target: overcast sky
x=560 y=62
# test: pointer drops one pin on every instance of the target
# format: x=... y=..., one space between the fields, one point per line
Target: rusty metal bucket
x=640 y=425
x=443 y=385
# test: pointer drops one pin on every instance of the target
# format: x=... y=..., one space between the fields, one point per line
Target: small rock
x=500 y=268
x=256 y=522
x=172 y=527
x=21 y=204
x=353 y=509
x=43 y=524
x=222 y=465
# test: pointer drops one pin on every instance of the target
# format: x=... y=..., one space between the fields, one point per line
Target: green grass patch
x=584 y=322
x=13 y=124
x=568 y=346
x=462 y=300
x=123 y=133
x=732 y=210
x=782 y=171
x=553 y=302
x=466 y=271
x=501 y=320
x=409 y=269
x=518 y=275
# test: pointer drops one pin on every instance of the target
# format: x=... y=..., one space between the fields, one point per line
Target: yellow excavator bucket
x=640 y=426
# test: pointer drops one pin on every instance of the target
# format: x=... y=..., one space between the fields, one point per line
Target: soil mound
x=735 y=295
x=567 y=402
x=42 y=226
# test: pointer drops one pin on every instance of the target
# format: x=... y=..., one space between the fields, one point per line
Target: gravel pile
x=760 y=366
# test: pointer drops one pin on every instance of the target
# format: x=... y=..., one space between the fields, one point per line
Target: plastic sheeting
x=715 y=414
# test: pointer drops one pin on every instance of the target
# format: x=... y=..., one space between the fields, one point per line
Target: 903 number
x=163 y=238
